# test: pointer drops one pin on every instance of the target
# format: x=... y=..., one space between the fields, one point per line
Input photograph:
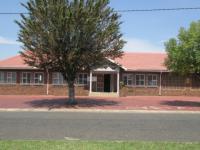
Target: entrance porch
x=104 y=83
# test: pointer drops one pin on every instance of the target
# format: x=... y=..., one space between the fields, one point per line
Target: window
x=140 y=80
x=2 y=76
x=38 y=78
x=57 y=78
x=82 y=79
x=8 y=77
x=11 y=77
x=26 y=78
x=128 y=79
x=152 y=80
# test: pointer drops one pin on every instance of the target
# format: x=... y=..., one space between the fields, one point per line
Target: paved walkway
x=121 y=103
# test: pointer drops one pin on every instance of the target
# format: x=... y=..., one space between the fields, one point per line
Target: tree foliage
x=69 y=35
x=184 y=51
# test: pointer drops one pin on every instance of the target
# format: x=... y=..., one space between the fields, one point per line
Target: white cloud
x=6 y=41
x=140 y=45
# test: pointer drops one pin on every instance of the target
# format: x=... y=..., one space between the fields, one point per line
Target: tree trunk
x=71 y=93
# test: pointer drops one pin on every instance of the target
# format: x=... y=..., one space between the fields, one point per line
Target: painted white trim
x=57 y=84
x=90 y=82
x=156 y=80
x=136 y=80
x=160 y=88
x=132 y=79
x=21 y=78
x=34 y=78
x=117 y=64
x=47 y=72
x=77 y=78
x=118 y=82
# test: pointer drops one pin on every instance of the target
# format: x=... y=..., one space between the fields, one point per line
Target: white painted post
x=47 y=72
x=118 y=82
x=160 y=89
x=90 y=82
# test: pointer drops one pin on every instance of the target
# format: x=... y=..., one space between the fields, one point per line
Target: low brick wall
x=22 y=89
x=58 y=90
x=145 y=91
x=139 y=91
x=61 y=90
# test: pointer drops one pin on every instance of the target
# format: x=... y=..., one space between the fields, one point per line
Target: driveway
x=121 y=103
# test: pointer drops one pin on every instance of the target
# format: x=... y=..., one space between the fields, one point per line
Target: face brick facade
x=135 y=74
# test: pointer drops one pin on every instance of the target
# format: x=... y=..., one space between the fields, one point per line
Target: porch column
x=118 y=82
x=90 y=81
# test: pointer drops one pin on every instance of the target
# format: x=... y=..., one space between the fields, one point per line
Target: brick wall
x=172 y=85
x=20 y=89
x=58 y=90
x=137 y=91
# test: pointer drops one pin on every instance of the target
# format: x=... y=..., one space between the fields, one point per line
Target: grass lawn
x=90 y=145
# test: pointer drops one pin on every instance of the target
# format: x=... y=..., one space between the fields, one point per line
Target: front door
x=107 y=83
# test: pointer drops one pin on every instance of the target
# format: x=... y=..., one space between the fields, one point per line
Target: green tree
x=69 y=36
x=184 y=51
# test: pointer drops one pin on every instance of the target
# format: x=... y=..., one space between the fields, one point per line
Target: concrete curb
x=100 y=111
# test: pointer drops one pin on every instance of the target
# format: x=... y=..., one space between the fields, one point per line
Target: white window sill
x=81 y=84
x=152 y=86
x=31 y=84
x=140 y=86
x=59 y=84
x=8 y=83
x=129 y=85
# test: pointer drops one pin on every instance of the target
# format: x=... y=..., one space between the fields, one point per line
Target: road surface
x=99 y=126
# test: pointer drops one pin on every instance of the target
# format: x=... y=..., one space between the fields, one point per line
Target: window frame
x=3 y=75
x=139 y=80
x=83 y=79
x=12 y=79
x=35 y=78
x=21 y=78
x=60 y=80
x=127 y=75
x=152 y=75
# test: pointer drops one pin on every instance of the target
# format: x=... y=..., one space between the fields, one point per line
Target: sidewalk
x=141 y=103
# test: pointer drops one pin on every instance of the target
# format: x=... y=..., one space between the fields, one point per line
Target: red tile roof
x=129 y=61
x=143 y=61
x=15 y=62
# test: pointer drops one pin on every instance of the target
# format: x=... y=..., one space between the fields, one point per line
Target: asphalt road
x=99 y=126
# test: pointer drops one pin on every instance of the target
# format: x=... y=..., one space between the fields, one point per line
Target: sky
x=143 y=31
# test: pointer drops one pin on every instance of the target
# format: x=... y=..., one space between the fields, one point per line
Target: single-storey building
x=132 y=74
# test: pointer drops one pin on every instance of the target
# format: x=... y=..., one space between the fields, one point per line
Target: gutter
x=117 y=64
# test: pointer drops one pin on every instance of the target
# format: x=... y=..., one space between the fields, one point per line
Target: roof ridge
x=125 y=52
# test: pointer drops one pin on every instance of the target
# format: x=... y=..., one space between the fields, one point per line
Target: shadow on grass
x=62 y=103
x=181 y=103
